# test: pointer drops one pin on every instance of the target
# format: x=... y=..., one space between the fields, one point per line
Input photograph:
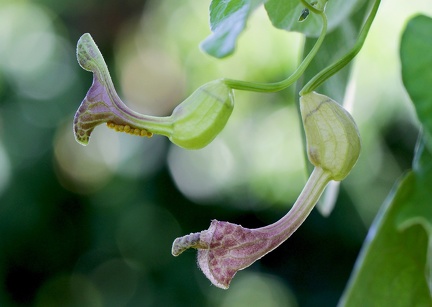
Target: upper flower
x=193 y=124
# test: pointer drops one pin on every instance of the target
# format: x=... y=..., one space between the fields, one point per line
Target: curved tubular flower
x=226 y=248
x=193 y=124
x=334 y=145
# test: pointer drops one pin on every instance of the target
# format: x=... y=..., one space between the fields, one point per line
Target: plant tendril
x=329 y=71
x=278 y=86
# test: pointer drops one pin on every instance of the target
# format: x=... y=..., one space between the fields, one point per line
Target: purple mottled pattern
x=96 y=108
x=233 y=248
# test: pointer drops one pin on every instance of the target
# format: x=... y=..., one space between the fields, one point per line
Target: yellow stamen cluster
x=129 y=129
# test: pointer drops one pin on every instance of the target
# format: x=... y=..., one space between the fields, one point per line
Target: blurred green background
x=93 y=226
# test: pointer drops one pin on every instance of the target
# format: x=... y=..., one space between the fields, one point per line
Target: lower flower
x=226 y=248
x=333 y=145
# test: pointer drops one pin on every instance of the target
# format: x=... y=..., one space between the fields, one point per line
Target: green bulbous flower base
x=332 y=136
x=202 y=116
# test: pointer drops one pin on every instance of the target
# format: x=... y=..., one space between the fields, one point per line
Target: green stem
x=326 y=73
x=303 y=206
x=278 y=86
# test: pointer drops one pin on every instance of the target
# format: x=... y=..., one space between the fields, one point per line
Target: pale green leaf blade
x=390 y=270
x=227 y=21
x=420 y=212
x=416 y=61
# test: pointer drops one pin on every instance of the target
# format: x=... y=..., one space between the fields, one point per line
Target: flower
x=226 y=248
x=193 y=124
x=333 y=145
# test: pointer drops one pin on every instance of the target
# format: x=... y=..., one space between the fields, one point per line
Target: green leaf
x=285 y=15
x=416 y=60
x=392 y=269
x=227 y=20
x=420 y=212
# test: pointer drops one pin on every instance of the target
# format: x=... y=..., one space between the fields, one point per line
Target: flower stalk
x=332 y=69
x=283 y=84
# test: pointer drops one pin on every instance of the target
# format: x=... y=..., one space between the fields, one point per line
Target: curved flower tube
x=193 y=124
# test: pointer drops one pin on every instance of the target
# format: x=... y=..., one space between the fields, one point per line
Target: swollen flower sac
x=193 y=124
x=333 y=140
x=333 y=145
